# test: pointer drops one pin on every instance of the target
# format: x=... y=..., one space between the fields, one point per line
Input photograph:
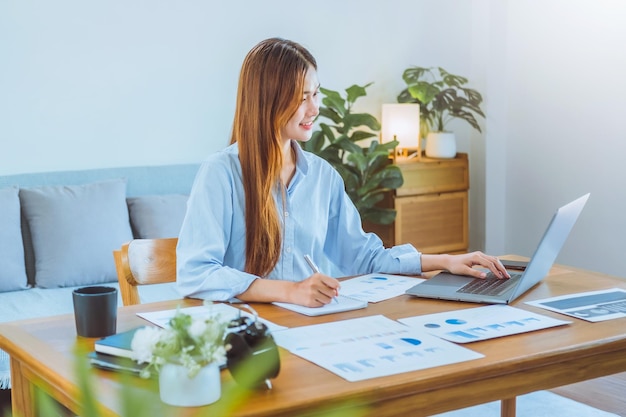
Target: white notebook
x=339 y=304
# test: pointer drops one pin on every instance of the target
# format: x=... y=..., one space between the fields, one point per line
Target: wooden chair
x=144 y=262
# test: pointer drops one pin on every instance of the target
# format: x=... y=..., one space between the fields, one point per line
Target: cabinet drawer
x=434 y=176
x=434 y=223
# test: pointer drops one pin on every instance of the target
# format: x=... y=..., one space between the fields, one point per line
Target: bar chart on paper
x=377 y=287
x=370 y=347
x=481 y=323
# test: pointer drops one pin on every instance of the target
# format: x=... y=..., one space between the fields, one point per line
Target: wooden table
x=42 y=355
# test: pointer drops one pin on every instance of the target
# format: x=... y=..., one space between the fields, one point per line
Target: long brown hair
x=270 y=90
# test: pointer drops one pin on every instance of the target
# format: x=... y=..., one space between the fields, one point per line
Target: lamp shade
x=403 y=121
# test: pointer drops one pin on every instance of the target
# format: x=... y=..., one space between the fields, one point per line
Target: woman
x=260 y=205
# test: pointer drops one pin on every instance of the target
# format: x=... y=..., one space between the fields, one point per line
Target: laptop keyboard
x=491 y=285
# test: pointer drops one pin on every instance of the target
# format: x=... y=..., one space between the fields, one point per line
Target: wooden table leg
x=22 y=400
x=507 y=407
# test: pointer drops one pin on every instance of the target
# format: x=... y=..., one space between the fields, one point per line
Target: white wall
x=116 y=83
x=565 y=136
x=144 y=82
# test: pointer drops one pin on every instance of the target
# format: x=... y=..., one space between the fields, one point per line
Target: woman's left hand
x=464 y=265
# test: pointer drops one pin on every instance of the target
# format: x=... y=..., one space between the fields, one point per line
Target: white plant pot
x=176 y=388
x=440 y=145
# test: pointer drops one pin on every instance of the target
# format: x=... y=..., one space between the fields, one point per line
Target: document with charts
x=370 y=347
x=377 y=287
x=592 y=306
x=481 y=323
x=355 y=293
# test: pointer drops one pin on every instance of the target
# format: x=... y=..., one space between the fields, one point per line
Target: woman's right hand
x=315 y=291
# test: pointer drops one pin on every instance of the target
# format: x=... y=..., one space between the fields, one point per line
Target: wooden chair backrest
x=144 y=262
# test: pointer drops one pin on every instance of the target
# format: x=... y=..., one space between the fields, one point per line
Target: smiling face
x=300 y=125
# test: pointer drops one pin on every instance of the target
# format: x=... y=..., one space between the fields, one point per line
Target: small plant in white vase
x=186 y=355
x=442 y=97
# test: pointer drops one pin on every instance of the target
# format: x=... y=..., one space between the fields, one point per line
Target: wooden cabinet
x=432 y=206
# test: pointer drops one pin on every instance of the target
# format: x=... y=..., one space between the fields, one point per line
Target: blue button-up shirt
x=318 y=219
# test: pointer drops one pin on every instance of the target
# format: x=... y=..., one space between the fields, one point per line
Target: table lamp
x=401 y=121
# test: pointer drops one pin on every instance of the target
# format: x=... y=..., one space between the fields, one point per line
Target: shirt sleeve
x=207 y=234
x=358 y=252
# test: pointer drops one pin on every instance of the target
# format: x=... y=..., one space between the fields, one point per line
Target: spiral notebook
x=339 y=304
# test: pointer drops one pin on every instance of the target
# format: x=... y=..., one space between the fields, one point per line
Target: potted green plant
x=186 y=356
x=366 y=171
x=442 y=97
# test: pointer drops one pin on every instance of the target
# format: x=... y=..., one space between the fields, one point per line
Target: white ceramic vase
x=440 y=145
x=176 y=388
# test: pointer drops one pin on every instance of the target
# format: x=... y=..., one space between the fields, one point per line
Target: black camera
x=251 y=352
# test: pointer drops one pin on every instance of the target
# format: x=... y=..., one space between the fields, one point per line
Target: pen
x=315 y=269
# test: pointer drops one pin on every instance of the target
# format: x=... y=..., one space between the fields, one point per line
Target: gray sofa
x=58 y=231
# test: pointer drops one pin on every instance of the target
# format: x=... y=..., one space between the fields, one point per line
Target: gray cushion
x=12 y=270
x=157 y=216
x=74 y=231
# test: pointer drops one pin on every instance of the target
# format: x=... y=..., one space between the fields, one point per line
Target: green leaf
x=349 y=175
x=379 y=215
x=445 y=100
x=334 y=101
x=328 y=132
x=356 y=91
x=377 y=161
x=390 y=177
x=374 y=182
x=452 y=80
x=414 y=74
x=362 y=119
x=331 y=114
x=388 y=146
x=406 y=97
x=314 y=144
x=331 y=155
x=467 y=116
x=359 y=161
x=423 y=91
x=347 y=145
x=353 y=149
x=473 y=96
x=370 y=199
x=359 y=135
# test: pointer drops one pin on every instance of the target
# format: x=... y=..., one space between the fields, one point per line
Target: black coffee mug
x=95 y=311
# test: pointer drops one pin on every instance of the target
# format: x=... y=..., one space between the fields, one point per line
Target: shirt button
x=286 y=214
x=288 y=249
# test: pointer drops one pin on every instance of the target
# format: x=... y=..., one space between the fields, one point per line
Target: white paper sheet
x=592 y=306
x=337 y=305
x=356 y=292
x=481 y=323
x=226 y=312
x=370 y=347
x=377 y=287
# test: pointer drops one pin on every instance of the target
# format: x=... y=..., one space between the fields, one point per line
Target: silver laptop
x=447 y=286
